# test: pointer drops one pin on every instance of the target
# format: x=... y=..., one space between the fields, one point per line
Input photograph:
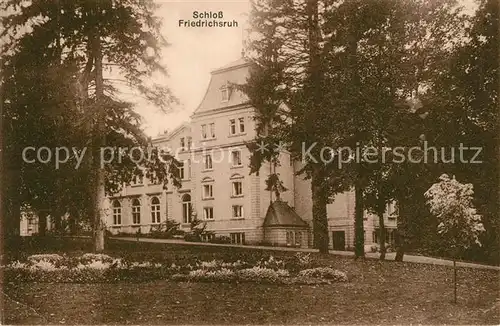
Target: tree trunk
x=42 y=222
x=99 y=136
x=320 y=218
x=454 y=280
x=73 y=221
x=400 y=251
x=401 y=229
x=319 y=190
x=359 y=232
x=11 y=203
x=56 y=217
x=382 y=233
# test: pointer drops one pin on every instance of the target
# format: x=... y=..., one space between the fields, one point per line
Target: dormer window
x=224 y=93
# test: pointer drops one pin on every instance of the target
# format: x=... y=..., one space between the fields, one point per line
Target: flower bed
x=100 y=268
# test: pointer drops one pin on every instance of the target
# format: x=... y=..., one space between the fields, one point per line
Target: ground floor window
x=155 y=210
x=117 y=212
x=389 y=236
x=187 y=208
x=136 y=211
x=208 y=213
x=293 y=238
x=207 y=237
x=237 y=238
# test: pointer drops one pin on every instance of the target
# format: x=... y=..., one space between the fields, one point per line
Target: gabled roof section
x=235 y=72
x=170 y=135
x=280 y=214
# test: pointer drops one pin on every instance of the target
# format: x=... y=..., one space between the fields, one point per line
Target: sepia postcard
x=249 y=162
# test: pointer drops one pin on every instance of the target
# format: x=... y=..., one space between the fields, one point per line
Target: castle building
x=218 y=188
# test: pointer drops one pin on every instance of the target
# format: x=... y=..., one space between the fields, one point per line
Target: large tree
x=287 y=89
x=87 y=35
x=464 y=105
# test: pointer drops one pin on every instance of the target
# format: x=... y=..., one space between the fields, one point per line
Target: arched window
x=236 y=176
x=155 y=210
x=136 y=211
x=186 y=208
x=117 y=212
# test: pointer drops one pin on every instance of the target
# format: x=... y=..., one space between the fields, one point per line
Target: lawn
x=377 y=292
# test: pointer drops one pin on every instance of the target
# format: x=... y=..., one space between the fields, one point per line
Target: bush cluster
x=220 y=239
x=100 y=268
x=262 y=274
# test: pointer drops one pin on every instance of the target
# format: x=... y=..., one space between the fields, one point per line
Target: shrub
x=164 y=230
x=262 y=274
x=95 y=264
x=325 y=273
x=53 y=258
x=192 y=237
x=271 y=263
x=88 y=257
x=265 y=243
x=299 y=261
x=88 y=268
x=221 y=239
x=44 y=265
x=220 y=275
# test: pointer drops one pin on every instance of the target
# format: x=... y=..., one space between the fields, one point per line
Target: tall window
x=237 y=211
x=136 y=211
x=182 y=175
x=117 y=212
x=232 y=127
x=237 y=188
x=186 y=208
x=204 y=131
x=155 y=210
x=208 y=191
x=208 y=162
x=189 y=143
x=224 y=93
x=208 y=213
x=212 y=130
x=137 y=180
x=183 y=143
x=237 y=237
x=242 y=124
x=236 y=158
x=187 y=170
x=293 y=238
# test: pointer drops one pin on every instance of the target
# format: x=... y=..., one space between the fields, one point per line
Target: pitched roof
x=235 y=72
x=280 y=214
x=169 y=135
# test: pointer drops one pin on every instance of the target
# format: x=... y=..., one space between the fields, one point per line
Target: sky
x=195 y=51
x=192 y=54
